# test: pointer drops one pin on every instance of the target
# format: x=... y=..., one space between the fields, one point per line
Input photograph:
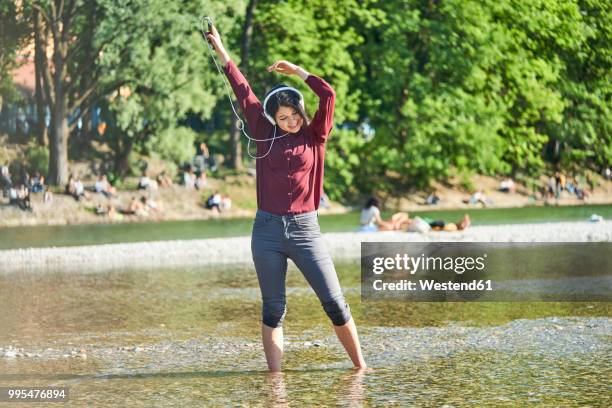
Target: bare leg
x=272 y=338
x=385 y=226
x=400 y=220
x=347 y=334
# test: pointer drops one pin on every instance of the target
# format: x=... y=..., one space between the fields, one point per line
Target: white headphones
x=283 y=88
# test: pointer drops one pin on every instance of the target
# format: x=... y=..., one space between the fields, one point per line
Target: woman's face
x=288 y=119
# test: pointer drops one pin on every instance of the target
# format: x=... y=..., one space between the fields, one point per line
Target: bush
x=37 y=158
x=174 y=144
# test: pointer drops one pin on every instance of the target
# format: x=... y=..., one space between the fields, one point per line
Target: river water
x=190 y=337
x=71 y=235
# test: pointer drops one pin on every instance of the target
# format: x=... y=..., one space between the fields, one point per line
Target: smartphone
x=209 y=26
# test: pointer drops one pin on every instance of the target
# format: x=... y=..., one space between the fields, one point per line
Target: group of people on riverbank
x=559 y=185
x=142 y=206
x=106 y=198
x=371 y=221
x=19 y=193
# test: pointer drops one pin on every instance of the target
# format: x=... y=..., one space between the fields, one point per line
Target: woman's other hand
x=288 y=68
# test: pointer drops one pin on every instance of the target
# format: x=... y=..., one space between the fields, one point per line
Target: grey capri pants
x=276 y=238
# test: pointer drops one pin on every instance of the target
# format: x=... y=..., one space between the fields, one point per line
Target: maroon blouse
x=290 y=177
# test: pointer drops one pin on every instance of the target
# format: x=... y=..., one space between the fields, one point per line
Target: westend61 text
x=430 y=284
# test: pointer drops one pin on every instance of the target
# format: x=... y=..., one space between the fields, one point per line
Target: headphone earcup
x=270 y=118
x=265 y=102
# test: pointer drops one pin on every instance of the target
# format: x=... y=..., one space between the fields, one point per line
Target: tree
x=13 y=36
x=461 y=86
x=167 y=77
x=584 y=138
x=64 y=29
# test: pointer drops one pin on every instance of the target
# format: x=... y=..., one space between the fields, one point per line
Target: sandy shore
x=227 y=251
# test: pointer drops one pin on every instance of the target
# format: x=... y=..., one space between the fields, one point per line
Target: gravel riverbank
x=224 y=251
x=550 y=338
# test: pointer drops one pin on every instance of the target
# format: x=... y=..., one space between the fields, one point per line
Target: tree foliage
x=13 y=35
x=511 y=87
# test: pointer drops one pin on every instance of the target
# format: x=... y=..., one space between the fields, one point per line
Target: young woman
x=289 y=185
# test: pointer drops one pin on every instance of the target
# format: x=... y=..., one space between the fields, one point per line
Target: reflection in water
x=348 y=386
x=355 y=390
x=277 y=391
x=191 y=337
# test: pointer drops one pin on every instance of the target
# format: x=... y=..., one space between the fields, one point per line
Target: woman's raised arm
x=322 y=122
x=249 y=103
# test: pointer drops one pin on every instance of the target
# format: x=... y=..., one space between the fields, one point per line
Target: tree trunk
x=122 y=159
x=236 y=153
x=247 y=34
x=58 y=154
x=122 y=147
x=41 y=131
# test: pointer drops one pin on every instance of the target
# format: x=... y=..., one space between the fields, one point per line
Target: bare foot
x=465 y=222
x=362 y=369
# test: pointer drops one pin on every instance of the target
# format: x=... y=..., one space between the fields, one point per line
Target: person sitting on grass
x=70 y=185
x=100 y=209
x=79 y=190
x=163 y=180
x=145 y=183
x=581 y=193
x=433 y=198
x=104 y=187
x=479 y=197
x=20 y=198
x=37 y=183
x=200 y=181
x=371 y=220
x=189 y=178
x=507 y=185
x=213 y=202
x=151 y=205
x=75 y=188
x=47 y=196
x=135 y=208
x=13 y=196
